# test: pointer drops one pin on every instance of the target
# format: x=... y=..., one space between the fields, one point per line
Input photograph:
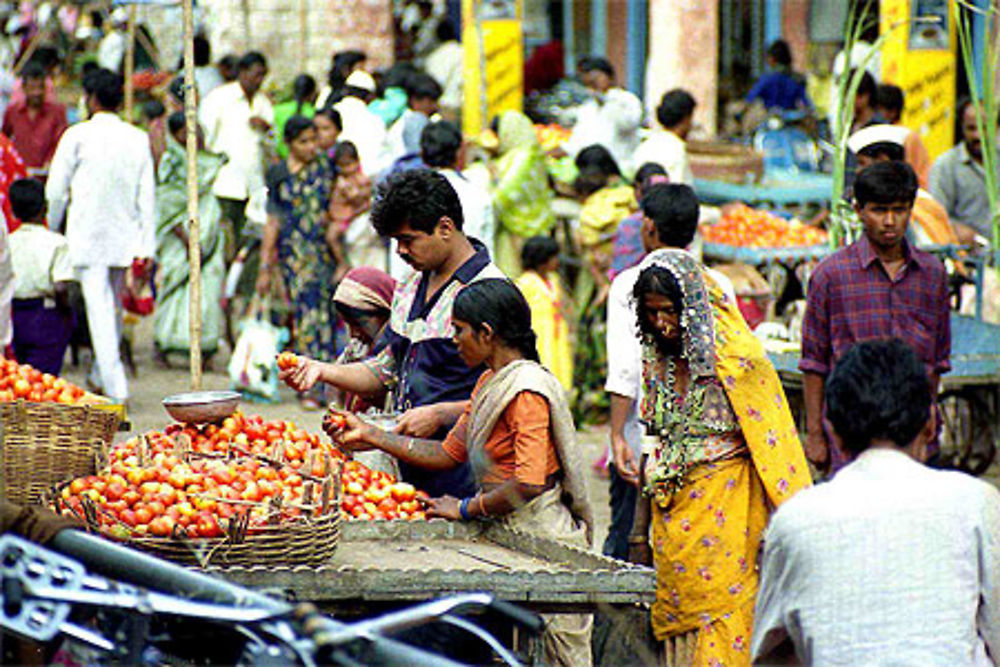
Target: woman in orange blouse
x=518 y=435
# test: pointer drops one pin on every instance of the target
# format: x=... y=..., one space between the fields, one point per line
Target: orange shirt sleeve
x=454 y=444
x=534 y=452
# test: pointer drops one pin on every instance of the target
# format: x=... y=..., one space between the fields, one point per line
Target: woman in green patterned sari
x=521 y=195
x=171 y=322
x=298 y=240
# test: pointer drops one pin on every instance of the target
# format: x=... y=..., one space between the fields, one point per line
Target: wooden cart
x=379 y=565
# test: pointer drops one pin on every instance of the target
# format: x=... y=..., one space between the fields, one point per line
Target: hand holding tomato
x=445 y=507
x=348 y=431
x=303 y=376
x=420 y=422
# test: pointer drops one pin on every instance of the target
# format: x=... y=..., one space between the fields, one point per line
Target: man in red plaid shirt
x=878 y=287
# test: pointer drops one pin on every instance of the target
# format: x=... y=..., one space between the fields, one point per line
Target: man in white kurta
x=103 y=170
x=611 y=118
x=667 y=144
x=236 y=118
x=361 y=126
x=891 y=562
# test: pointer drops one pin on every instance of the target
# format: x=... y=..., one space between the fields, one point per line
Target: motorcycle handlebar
x=118 y=562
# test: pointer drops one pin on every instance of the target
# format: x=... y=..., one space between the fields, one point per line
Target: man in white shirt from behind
x=103 y=169
x=669 y=221
x=236 y=118
x=891 y=562
x=441 y=150
x=611 y=117
x=422 y=95
x=361 y=126
x=445 y=64
x=667 y=145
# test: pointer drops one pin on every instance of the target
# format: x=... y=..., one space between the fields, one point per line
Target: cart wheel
x=968 y=432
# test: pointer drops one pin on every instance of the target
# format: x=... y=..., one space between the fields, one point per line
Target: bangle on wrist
x=463 y=508
x=482 y=505
x=638 y=539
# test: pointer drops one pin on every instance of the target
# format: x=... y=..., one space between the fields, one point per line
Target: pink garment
x=352 y=196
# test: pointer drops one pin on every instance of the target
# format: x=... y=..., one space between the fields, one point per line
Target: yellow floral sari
x=706 y=530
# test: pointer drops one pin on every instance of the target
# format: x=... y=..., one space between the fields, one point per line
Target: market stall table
x=378 y=563
x=969 y=398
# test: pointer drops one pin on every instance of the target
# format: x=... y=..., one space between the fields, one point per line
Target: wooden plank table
x=382 y=562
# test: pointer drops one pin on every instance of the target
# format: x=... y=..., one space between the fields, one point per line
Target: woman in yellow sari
x=721 y=452
x=543 y=291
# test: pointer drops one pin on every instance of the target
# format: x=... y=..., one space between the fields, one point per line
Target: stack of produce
x=23 y=381
x=748 y=227
x=197 y=480
x=552 y=136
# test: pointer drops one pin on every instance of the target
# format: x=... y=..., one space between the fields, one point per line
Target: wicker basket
x=303 y=540
x=306 y=541
x=46 y=443
x=731 y=163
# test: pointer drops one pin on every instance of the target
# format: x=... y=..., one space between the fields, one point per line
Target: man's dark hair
x=153 y=109
x=673 y=208
x=887 y=149
x=440 y=143
x=675 y=106
x=780 y=53
x=878 y=391
x=33 y=71
x=27 y=198
x=647 y=171
x=596 y=64
x=537 y=251
x=250 y=59
x=446 y=32
x=420 y=86
x=176 y=121
x=885 y=183
x=202 y=51
x=867 y=86
x=106 y=86
x=891 y=98
x=418 y=198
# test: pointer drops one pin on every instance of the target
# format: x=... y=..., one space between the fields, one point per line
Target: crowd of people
x=422 y=273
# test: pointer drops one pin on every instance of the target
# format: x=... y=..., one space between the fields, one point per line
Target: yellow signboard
x=919 y=57
x=493 y=46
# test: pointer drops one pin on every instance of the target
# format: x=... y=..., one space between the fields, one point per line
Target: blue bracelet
x=463 y=508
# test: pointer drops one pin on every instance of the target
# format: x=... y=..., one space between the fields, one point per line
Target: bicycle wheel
x=968 y=431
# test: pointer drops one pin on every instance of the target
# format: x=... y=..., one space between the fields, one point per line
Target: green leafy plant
x=984 y=96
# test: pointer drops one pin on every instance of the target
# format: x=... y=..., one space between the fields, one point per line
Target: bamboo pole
x=129 y=68
x=194 y=232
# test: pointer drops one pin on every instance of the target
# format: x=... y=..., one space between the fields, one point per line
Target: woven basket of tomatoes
x=53 y=430
x=194 y=501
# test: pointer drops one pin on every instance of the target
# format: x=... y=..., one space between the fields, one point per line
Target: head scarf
x=366 y=288
x=697 y=321
x=516 y=131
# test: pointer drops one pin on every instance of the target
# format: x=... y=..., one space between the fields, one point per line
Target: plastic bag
x=253 y=370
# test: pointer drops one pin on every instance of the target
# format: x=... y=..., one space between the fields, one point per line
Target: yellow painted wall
x=926 y=75
x=494 y=60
